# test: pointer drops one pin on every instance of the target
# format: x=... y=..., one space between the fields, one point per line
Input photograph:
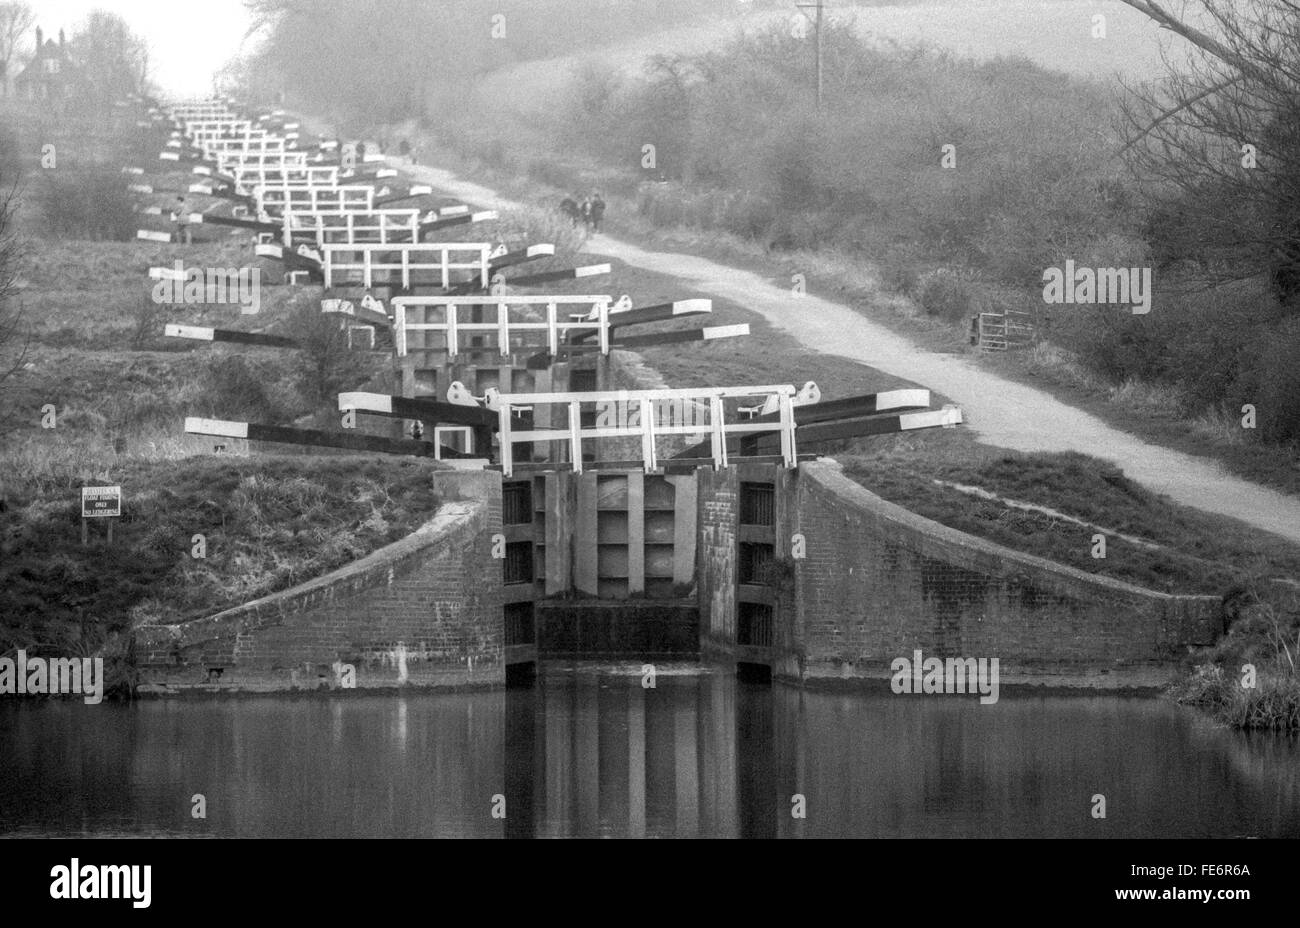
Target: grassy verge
x=1150 y=541
x=98 y=355
x=1249 y=680
x=267 y=524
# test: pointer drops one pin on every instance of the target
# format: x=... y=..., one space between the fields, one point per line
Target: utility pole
x=819 y=54
x=817 y=22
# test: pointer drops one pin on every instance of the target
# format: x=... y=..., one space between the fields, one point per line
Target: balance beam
x=424 y=409
x=573 y=273
x=252 y=431
x=205 y=334
x=851 y=417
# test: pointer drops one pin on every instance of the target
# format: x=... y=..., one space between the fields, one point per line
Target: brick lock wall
x=434 y=596
x=879 y=582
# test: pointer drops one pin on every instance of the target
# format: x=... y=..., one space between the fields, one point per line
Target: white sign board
x=101 y=502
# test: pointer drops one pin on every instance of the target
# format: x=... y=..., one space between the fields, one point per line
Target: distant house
x=50 y=77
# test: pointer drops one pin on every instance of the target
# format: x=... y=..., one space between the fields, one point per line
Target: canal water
x=590 y=751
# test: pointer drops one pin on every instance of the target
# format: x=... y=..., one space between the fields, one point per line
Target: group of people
x=590 y=211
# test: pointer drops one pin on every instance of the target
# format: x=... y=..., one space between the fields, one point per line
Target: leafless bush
x=14 y=336
x=91 y=204
x=1218 y=141
x=325 y=366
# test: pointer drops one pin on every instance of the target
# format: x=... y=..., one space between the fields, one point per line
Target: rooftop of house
x=46 y=49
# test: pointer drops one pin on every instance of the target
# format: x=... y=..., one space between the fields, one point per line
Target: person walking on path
x=569 y=207
x=181 y=217
x=585 y=212
x=596 y=211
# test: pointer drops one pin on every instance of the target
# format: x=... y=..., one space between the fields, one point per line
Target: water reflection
x=589 y=752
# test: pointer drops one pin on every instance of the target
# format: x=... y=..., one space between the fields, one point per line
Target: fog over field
x=1052 y=33
x=1044 y=31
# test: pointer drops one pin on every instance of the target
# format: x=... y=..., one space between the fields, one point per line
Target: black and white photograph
x=650 y=419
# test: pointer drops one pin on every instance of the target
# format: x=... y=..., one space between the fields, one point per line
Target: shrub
x=594 y=88
x=1205 y=687
x=531 y=225
x=325 y=365
x=900 y=270
x=147 y=321
x=1273 y=704
x=234 y=388
x=91 y=204
x=1113 y=342
x=945 y=294
x=749 y=215
x=1271 y=381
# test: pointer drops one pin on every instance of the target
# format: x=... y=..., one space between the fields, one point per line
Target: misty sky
x=191 y=39
x=188 y=40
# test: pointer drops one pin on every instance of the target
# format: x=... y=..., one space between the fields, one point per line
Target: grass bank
x=1053 y=505
x=120 y=388
x=265 y=524
x=1250 y=679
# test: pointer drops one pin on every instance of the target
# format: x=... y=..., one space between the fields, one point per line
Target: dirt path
x=1001 y=412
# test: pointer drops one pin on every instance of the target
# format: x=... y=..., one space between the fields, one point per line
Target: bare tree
x=16 y=18
x=113 y=59
x=14 y=340
x=141 y=66
x=1220 y=138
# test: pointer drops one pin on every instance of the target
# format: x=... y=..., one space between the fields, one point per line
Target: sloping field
x=1053 y=33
